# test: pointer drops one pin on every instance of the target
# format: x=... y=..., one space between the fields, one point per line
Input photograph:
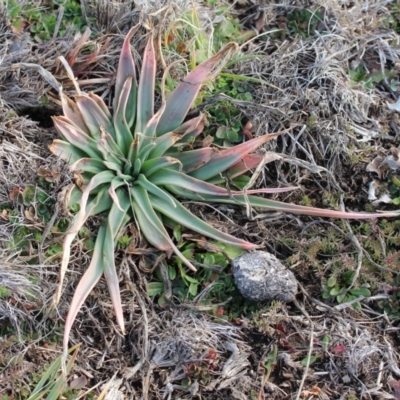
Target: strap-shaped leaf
x=182 y=98
x=226 y=158
x=86 y=284
x=279 y=206
x=100 y=102
x=72 y=112
x=115 y=220
x=163 y=143
x=76 y=137
x=66 y=151
x=115 y=184
x=184 y=217
x=170 y=178
x=92 y=165
x=99 y=179
x=151 y=166
x=155 y=190
x=145 y=99
x=96 y=205
x=124 y=136
x=191 y=129
x=126 y=68
x=248 y=162
x=94 y=116
x=194 y=159
x=151 y=225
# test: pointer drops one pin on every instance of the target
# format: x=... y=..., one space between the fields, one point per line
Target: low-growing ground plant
x=136 y=164
x=42 y=21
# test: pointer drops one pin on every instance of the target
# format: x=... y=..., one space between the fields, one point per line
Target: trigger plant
x=135 y=164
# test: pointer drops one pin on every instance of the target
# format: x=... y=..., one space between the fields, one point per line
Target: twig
x=310 y=348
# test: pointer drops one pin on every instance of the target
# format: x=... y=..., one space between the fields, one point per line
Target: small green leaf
x=209 y=259
x=396 y=201
x=154 y=288
x=341 y=298
x=171 y=272
x=177 y=233
x=193 y=289
x=361 y=291
x=312 y=360
x=331 y=281
x=334 y=291
x=326 y=294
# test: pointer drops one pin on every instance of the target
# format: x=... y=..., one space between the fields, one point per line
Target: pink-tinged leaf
x=184 y=217
x=94 y=116
x=86 y=284
x=124 y=136
x=151 y=226
x=145 y=98
x=126 y=69
x=279 y=206
x=76 y=137
x=194 y=159
x=191 y=129
x=177 y=179
x=99 y=179
x=72 y=112
x=248 y=162
x=100 y=102
x=151 y=126
x=163 y=143
x=99 y=204
x=341 y=348
x=155 y=164
x=66 y=151
x=230 y=156
x=111 y=143
x=115 y=221
x=182 y=98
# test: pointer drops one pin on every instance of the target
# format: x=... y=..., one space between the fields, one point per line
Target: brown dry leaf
x=314 y=391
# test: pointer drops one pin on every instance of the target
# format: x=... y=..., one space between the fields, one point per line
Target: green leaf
x=86 y=284
x=361 y=291
x=341 y=298
x=126 y=69
x=145 y=105
x=154 y=288
x=115 y=221
x=193 y=289
x=182 y=98
x=312 y=360
x=334 y=291
x=326 y=294
x=66 y=151
x=331 y=281
x=184 y=217
x=123 y=134
x=171 y=272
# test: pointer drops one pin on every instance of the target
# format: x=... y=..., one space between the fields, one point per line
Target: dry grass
x=307 y=87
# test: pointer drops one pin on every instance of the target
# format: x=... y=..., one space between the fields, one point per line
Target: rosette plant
x=135 y=164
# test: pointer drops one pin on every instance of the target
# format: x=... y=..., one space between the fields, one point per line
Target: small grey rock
x=260 y=276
